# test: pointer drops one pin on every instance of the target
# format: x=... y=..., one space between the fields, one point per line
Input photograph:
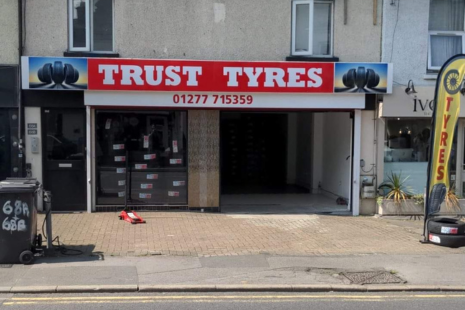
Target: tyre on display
x=446 y=226
x=451 y=241
x=26 y=257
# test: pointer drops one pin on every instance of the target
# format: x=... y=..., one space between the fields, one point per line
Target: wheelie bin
x=18 y=219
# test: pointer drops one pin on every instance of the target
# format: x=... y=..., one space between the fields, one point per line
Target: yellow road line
x=69 y=302
x=190 y=297
x=212 y=297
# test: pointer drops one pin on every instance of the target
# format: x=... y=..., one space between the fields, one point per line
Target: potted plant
x=452 y=203
x=399 y=197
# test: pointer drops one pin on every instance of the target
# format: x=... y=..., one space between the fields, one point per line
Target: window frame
x=311 y=4
x=443 y=33
x=89 y=27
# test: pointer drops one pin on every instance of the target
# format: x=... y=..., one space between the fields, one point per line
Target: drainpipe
x=20 y=114
x=376 y=143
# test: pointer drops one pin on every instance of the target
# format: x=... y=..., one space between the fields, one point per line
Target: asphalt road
x=255 y=301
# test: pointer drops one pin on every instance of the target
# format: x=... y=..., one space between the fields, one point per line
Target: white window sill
x=430 y=76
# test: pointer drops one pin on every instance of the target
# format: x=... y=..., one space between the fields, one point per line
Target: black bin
x=18 y=220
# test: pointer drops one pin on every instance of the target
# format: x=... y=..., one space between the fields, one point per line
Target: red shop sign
x=209 y=76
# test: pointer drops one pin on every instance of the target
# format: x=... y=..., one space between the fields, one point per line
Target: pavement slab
x=218 y=234
x=235 y=262
x=8 y=276
x=432 y=270
x=71 y=275
x=447 y=269
x=242 y=249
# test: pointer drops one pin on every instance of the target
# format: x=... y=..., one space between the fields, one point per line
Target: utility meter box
x=368 y=192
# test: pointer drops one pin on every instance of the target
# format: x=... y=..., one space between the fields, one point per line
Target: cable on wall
x=395 y=28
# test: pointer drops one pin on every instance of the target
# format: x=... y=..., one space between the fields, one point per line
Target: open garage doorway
x=286 y=162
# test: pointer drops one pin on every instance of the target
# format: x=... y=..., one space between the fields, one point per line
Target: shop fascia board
x=399 y=104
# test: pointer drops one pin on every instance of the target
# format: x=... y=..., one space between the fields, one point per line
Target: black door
x=5 y=142
x=64 y=136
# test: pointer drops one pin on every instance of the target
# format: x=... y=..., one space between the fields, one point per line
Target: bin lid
x=22 y=185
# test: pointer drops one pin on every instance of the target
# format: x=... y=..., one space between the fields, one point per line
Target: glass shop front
x=141 y=154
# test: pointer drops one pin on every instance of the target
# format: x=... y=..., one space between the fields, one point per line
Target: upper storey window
x=312 y=27
x=91 y=25
x=446 y=31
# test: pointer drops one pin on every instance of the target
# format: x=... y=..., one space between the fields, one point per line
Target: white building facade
x=111 y=135
x=418 y=37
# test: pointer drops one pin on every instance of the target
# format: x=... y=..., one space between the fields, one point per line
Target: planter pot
x=454 y=212
x=406 y=207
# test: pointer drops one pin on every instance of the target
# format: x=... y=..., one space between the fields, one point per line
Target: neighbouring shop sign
x=208 y=77
x=421 y=104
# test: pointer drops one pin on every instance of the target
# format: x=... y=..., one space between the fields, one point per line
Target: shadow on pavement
x=69 y=253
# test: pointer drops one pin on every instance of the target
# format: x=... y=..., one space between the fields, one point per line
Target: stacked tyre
x=448 y=232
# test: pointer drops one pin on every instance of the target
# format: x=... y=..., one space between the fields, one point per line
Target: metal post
x=48 y=218
x=425 y=228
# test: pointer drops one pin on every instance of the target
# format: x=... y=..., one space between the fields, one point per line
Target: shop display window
x=406 y=150
x=145 y=151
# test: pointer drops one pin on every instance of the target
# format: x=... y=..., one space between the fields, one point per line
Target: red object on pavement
x=131 y=217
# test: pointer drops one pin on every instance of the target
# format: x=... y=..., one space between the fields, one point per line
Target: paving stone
x=217 y=234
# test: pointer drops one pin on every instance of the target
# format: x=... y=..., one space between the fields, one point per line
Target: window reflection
x=103 y=25
x=65 y=136
x=4 y=147
x=79 y=23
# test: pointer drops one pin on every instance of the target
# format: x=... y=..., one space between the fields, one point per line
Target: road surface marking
x=210 y=299
x=242 y=297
